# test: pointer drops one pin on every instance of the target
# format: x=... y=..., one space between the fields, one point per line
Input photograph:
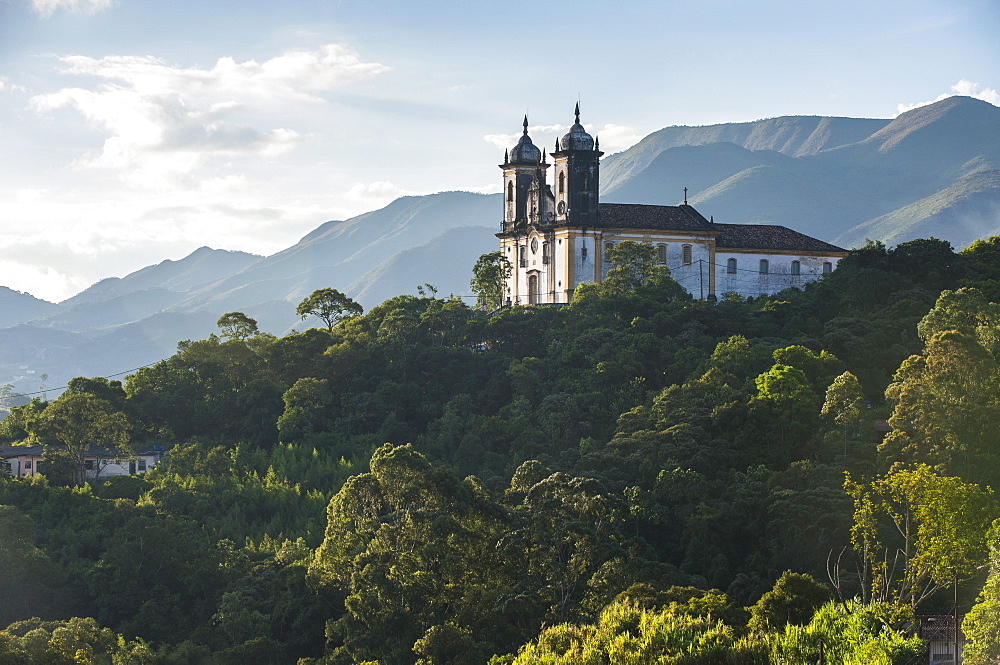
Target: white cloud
x=49 y=7
x=613 y=138
x=377 y=192
x=164 y=122
x=963 y=87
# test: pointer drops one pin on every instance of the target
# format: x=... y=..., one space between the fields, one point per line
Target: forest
x=636 y=477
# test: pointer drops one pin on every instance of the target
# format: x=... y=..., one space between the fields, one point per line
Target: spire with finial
x=506 y=156
x=543 y=155
x=597 y=143
x=557 y=144
x=525 y=124
x=685 y=196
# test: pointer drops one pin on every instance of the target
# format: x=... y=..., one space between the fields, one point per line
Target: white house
x=24 y=461
x=557 y=240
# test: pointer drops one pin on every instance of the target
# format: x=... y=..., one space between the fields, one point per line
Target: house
x=557 y=240
x=938 y=631
x=26 y=461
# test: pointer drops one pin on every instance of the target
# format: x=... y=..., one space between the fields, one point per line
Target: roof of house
x=769 y=237
x=765 y=237
x=21 y=451
x=640 y=216
x=938 y=627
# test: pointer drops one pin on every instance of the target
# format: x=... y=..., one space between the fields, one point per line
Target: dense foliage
x=637 y=472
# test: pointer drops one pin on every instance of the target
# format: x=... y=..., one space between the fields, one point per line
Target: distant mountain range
x=933 y=171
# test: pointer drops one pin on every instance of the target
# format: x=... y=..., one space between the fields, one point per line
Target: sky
x=133 y=131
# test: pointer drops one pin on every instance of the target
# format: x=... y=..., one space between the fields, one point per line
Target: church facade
x=557 y=235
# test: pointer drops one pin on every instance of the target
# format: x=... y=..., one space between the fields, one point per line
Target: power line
x=42 y=392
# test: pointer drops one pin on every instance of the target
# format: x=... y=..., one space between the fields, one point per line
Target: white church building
x=557 y=240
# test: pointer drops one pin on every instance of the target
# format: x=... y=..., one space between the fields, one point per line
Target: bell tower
x=577 y=176
x=523 y=184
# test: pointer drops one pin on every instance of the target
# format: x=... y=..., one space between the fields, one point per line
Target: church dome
x=525 y=152
x=577 y=138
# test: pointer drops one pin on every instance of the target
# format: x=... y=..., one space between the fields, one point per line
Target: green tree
x=328 y=305
x=793 y=600
x=489 y=280
x=935 y=533
x=79 y=422
x=237 y=325
x=982 y=624
x=633 y=264
x=307 y=409
x=845 y=404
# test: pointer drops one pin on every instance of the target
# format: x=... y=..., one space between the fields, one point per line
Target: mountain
x=831 y=178
x=340 y=254
x=201 y=266
x=17 y=307
x=932 y=171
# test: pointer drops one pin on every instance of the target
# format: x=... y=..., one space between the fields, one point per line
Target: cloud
x=49 y=7
x=377 y=192
x=963 y=87
x=165 y=122
x=613 y=138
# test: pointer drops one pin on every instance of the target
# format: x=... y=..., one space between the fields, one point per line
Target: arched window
x=796 y=268
x=510 y=190
x=764 y=266
x=827 y=267
x=686 y=255
x=562 y=182
x=584 y=181
x=731 y=266
x=545 y=252
x=608 y=246
x=523 y=261
x=661 y=254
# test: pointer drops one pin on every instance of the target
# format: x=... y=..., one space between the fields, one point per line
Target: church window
x=686 y=255
x=661 y=254
x=731 y=266
x=545 y=252
x=562 y=182
x=510 y=190
x=584 y=181
x=764 y=266
x=827 y=267
x=523 y=260
x=583 y=253
x=608 y=246
x=796 y=268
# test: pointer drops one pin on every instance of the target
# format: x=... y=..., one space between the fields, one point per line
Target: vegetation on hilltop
x=636 y=477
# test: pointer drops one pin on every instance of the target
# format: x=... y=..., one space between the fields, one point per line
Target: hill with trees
x=632 y=477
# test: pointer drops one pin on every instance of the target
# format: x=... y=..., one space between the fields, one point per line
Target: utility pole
x=957 y=658
x=701 y=279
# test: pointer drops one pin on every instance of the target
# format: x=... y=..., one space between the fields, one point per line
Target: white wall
x=748 y=280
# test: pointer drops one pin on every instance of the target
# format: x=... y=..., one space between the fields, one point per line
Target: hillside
x=17 y=307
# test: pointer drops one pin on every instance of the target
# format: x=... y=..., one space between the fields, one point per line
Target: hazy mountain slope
x=444 y=260
x=17 y=307
x=204 y=265
x=767 y=195
x=116 y=310
x=961 y=213
x=824 y=189
x=337 y=254
x=790 y=135
x=697 y=167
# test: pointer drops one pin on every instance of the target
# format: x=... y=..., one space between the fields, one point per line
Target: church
x=557 y=240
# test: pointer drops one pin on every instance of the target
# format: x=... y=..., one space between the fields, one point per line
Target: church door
x=533 y=289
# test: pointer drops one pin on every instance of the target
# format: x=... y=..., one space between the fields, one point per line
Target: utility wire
x=42 y=392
